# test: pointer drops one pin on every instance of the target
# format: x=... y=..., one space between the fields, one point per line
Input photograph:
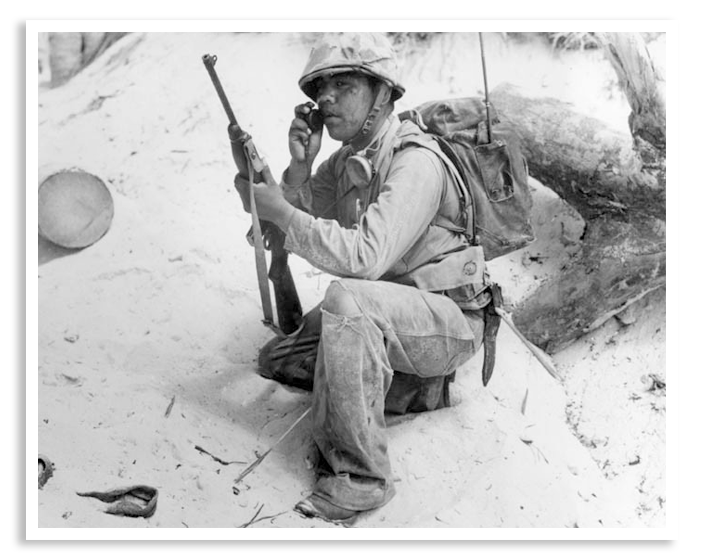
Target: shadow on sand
x=49 y=251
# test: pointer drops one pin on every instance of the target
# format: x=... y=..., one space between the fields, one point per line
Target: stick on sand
x=263 y=456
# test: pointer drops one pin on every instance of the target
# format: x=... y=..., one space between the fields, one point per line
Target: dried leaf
x=170 y=407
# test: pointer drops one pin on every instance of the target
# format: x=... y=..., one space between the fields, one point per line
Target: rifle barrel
x=209 y=60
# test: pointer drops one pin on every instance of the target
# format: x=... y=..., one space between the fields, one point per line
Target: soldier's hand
x=271 y=206
x=303 y=143
x=242 y=186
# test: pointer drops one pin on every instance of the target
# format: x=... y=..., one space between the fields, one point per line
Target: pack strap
x=446 y=223
x=451 y=161
x=441 y=148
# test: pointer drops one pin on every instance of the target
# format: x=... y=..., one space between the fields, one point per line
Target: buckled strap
x=490 y=332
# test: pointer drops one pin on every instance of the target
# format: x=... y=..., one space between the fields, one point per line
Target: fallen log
x=590 y=165
x=70 y=52
x=622 y=200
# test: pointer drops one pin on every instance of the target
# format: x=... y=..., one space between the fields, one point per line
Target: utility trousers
x=348 y=351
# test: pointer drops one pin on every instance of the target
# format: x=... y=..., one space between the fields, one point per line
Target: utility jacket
x=393 y=229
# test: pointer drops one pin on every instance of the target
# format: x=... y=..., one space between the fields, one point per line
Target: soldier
x=407 y=306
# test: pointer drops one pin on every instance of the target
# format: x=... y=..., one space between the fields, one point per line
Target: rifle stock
x=289 y=310
x=248 y=161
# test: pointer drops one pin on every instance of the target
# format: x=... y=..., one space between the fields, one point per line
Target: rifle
x=263 y=234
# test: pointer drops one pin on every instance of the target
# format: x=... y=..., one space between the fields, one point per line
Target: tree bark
x=641 y=84
x=617 y=184
x=69 y=53
x=65 y=56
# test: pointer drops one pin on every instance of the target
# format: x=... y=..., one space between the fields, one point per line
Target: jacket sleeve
x=406 y=204
x=316 y=196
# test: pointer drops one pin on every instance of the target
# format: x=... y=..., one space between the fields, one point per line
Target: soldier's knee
x=339 y=300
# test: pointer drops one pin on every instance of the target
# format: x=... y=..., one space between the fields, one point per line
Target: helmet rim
x=306 y=83
x=370 y=54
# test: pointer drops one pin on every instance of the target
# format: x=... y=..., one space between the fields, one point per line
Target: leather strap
x=260 y=256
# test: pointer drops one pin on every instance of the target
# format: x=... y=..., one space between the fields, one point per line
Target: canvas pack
x=486 y=155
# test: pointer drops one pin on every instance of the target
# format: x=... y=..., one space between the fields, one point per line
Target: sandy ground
x=148 y=339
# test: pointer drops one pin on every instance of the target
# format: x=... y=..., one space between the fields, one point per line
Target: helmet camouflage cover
x=369 y=53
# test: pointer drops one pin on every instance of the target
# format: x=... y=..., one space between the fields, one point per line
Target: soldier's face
x=345 y=101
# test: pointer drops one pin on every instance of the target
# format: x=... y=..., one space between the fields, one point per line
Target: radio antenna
x=485 y=88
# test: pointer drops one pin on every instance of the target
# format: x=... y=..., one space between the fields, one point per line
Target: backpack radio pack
x=494 y=178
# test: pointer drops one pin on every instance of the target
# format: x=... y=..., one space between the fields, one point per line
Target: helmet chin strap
x=361 y=139
x=359 y=166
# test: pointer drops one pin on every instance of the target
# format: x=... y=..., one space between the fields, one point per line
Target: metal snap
x=470 y=268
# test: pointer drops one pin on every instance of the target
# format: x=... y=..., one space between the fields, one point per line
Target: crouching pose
x=383 y=215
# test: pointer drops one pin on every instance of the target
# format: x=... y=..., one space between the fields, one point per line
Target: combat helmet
x=369 y=53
